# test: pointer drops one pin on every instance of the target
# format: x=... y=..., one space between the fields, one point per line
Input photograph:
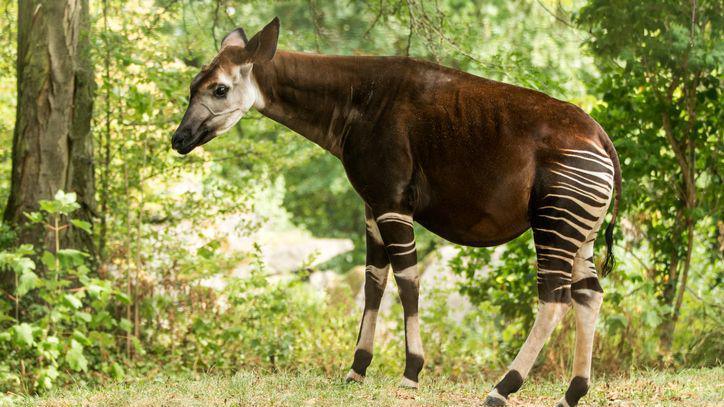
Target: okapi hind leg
x=399 y=237
x=376 y=272
x=568 y=212
x=549 y=314
x=587 y=297
x=555 y=253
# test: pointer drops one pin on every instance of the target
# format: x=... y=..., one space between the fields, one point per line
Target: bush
x=58 y=319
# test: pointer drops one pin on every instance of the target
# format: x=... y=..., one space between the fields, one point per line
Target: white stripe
x=578 y=217
x=395 y=216
x=401 y=244
x=568 y=221
x=602 y=188
x=599 y=159
x=562 y=274
x=590 y=209
x=541 y=247
x=564 y=185
x=404 y=253
x=395 y=221
x=601 y=175
x=555 y=256
x=570 y=239
x=602 y=156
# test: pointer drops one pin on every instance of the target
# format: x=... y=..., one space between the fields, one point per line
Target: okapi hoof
x=408 y=384
x=354 y=377
x=493 y=401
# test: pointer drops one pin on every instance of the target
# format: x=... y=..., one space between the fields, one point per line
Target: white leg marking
x=374 y=231
x=409 y=273
x=367 y=333
x=586 y=316
x=494 y=393
x=407 y=383
x=354 y=376
x=549 y=314
x=414 y=341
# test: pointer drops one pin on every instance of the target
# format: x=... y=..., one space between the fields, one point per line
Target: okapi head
x=225 y=89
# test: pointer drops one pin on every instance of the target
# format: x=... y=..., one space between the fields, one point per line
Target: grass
x=691 y=387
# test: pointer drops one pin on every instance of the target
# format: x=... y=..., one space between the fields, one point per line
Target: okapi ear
x=263 y=45
x=236 y=38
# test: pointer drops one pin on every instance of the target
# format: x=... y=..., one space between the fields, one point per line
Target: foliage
x=661 y=99
x=63 y=319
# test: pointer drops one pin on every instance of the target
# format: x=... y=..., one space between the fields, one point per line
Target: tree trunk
x=685 y=153
x=52 y=143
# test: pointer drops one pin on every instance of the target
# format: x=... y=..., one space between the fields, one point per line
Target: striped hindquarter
x=569 y=208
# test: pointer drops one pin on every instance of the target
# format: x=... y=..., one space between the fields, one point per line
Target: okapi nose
x=179 y=138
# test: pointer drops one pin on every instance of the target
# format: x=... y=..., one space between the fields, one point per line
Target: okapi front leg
x=375 y=281
x=399 y=238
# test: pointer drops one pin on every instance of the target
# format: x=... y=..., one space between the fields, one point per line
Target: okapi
x=476 y=161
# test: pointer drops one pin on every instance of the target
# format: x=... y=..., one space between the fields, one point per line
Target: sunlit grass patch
x=694 y=387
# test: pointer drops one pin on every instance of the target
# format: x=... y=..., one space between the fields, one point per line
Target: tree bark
x=52 y=143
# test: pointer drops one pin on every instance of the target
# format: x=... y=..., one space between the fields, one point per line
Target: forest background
x=121 y=259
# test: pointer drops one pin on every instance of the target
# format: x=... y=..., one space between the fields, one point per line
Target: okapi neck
x=313 y=95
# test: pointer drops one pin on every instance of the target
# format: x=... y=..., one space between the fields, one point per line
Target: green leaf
x=27 y=282
x=73 y=301
x=47 y=376
x=71 y=257
x=63 y=203
x=25 y=250
x=81 y=338
x=34 y=217
x=84 y=316
x=125 y=324
x=51 y=207
x=117 y=371
x=24 y=334
x=122 y=297
x=80 y=224
x=208 y=250
x=48 y=260
x=23 y=264
x=75 y=357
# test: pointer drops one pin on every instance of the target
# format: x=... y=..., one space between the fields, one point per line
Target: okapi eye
x=220 y=91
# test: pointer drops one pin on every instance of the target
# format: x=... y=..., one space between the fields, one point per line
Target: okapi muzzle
x=477 y=162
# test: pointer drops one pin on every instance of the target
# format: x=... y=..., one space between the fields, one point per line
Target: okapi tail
x=613 y=155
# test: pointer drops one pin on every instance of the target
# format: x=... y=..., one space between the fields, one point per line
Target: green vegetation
x=188 y=279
